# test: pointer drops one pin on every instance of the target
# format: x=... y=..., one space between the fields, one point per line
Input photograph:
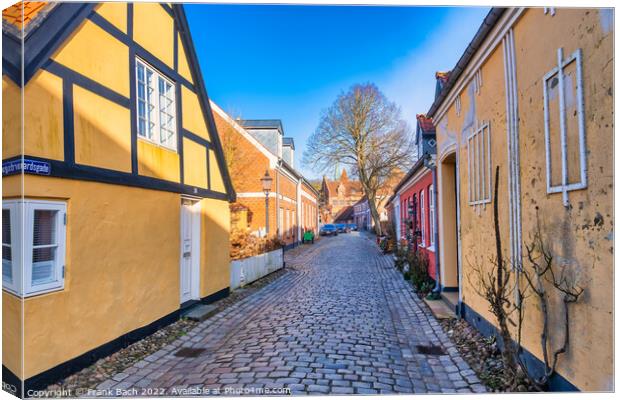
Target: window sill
x=154 y=143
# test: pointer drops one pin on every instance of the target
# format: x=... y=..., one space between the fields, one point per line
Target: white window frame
x=478 y=174
x=431 y=212
x=22 y=213
x=566 y=187
x=423 y=218
x=156 y=137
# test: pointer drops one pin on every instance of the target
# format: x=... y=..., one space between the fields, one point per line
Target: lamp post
x=266 y=181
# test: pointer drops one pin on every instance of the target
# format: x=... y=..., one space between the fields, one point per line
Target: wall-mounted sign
x=27 y=165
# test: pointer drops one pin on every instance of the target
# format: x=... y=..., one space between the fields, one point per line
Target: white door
x=189 y=251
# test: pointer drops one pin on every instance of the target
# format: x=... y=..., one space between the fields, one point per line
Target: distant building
x=253 y=147
x=336 y=195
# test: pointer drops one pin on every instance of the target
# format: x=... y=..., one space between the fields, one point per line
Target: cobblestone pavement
x=342 y=321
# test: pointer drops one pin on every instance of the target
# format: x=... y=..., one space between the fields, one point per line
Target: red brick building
x=338 y=195
x=253 y=147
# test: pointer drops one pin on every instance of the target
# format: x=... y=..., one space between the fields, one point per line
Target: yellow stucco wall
x=160 y=41
x=43 y=126
x=215 y=258
x=12 y=333
x=217 y=183
x=193 y=120
x=102 y=131
x=158 y=162
x=12 y=119
x=581 y=237
x=90 y=50
x=116 y=13
x=195 y=164
x=183 y=66
x=136 y=241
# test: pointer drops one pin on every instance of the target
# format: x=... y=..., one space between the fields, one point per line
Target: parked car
x=353 y=227
x=342 y=228
x=328 y=230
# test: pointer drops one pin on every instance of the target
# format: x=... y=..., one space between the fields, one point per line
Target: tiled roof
x=344 y=214
x=288 y=141
x=261 y=123
x=21 y=15
x=425 y=124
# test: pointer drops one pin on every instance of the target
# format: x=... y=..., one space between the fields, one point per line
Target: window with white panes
x=431 y=213
x=156 y=106
x=43 y=252
x=423 y=218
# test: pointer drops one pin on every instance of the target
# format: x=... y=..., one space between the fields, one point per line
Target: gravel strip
x=483 y=355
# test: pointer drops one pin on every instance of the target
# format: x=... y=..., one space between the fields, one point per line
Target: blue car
x=328 y=230
x=342 y=228
x=353 y=227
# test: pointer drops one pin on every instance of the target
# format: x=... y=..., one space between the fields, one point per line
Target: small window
x=156 y=106
x=479 y=165
x=44 y=246
x=431 y=213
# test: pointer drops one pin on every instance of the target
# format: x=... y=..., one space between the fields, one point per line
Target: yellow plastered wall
x=102 y=131
x=11 y=119
x=153 y=29
x=217 y=183
x=12 y=321
x=581 y=237
x=94 y=53
x=43 y=117
x=576 y=238
x=215 y=259
x=195 y=164
x=12 y=325
x=123 y=277
x=183 y=63
x=157 y=161
x=193 y=119
x=115 y=13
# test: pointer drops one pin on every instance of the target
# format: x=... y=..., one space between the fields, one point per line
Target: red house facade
x=414 y=201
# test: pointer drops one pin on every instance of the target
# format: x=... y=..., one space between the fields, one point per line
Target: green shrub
x=418 y=268
x=406 y=276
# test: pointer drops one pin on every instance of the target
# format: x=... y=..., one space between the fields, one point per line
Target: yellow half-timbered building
x=533 y=96
x=115 y=190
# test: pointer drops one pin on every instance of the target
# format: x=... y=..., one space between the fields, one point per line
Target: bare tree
x=364 y=131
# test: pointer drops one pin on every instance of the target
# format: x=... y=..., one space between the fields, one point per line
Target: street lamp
x=266 y=181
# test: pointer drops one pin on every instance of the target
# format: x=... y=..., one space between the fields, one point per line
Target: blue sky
x=290 y=62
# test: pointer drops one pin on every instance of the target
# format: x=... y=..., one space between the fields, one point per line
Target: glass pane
x=140 y=72
x=44 y=227
x=6 y=226
x=43 y=262
x=6 y=253
x=141 y=91
x=7 y=269
x=141 y=128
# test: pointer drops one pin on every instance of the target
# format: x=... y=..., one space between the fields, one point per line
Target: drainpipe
x=433 y=167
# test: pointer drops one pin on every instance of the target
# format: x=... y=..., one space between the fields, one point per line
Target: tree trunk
x=375 y=215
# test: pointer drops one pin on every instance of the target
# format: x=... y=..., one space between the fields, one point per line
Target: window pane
x=6 y=226
x=7 y=257
x=140 y=71
x=44 y=227
x=43 y=261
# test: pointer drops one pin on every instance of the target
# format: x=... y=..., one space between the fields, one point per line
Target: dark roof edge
x=178 y=12
x=489 y=22
x=307 y=182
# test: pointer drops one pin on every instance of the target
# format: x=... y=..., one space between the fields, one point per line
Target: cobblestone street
x=342 y=320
